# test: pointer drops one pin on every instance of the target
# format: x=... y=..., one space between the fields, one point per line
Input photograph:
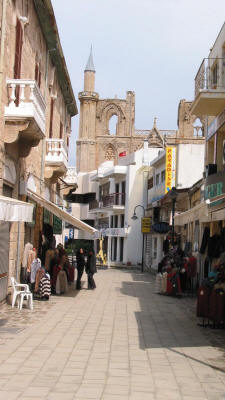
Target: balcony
x=117 y=232
x=210 y=88
x=24 y=115
x=114 y=201
x=56 y=159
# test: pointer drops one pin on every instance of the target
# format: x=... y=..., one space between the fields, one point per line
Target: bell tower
x=86 y=144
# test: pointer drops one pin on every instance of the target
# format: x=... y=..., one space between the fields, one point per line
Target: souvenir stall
x=176 y=274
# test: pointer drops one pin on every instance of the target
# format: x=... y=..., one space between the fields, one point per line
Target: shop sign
x=216 y=124
x=47 y=216
x=170 y=168
x=31 y=224
x=57 y=225
x=213 y=190
x=116 y=232
x=146 y=225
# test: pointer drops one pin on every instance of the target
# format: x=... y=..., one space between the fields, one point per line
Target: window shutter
x=61 y=131
x=36 y=72
x=18 y=49
x=51 y=118
x=39 y=79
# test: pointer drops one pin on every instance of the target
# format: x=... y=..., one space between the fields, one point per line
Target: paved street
x=118 y=342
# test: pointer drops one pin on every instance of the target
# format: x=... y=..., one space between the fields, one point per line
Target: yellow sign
x=145 y=225
x=170 y=168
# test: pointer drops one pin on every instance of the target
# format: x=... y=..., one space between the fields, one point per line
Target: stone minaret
x=86 y=144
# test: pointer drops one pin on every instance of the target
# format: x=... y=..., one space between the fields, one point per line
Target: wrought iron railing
x=211 y=75
x=110 y=200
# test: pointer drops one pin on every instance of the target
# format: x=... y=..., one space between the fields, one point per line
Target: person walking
x=91 y=269
x=80 y=267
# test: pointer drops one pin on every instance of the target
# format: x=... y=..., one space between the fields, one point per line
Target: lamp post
x=134 y=218
x=173 y=195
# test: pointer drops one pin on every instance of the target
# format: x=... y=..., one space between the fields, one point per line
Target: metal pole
x=143 y=245
x=173 y=212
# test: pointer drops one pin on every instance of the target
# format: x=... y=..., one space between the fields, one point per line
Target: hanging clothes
x=49 y=255
x=203 y=302
x=39 y=274
x=205 y=239
x=45 y=287
x=61 y=283
x=35 y=266
x=30 y=258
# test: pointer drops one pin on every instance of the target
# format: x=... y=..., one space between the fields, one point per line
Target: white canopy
x=13 y=210
x=199 y=212
x=65 y=216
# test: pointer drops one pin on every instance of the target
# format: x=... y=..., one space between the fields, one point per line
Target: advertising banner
x=170 y=168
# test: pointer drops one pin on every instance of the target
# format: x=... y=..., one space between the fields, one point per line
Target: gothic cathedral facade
x=96 y=144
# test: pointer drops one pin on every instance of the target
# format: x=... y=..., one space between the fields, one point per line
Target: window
x=18 y=50
x=150 y=183
x=155 y=247
x=51 y=119
x=157 y=179
x=113 y=125
x=122 y=221
x=215 y=74
x=61 y=131
x=163 y=175
x=116 y=221
x=38 y=74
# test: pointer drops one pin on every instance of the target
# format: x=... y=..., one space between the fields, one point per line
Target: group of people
x=177 y=271
x=89 y=266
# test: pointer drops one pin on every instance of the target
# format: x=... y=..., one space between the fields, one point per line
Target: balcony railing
x=211 y=75
x=115 y=199
x=56 y=153
x=111 y=200
x=25 y=101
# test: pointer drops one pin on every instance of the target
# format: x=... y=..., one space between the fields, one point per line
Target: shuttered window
x=18 y=50
x=61 y=131
x=51 y=119
x=38 y=74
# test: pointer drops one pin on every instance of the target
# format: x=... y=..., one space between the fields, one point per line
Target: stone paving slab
x=119 y=342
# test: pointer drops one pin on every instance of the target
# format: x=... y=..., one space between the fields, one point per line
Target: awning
x=65 y=216
x=13 y=210
x=199 y=212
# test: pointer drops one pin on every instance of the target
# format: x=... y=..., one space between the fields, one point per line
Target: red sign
x=123 y=154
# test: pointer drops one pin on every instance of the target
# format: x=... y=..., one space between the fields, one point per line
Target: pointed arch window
x=113 y=123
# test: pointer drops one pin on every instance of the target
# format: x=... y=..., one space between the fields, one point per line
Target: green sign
x=213 y=190
x=47 y=215
x=57 y=225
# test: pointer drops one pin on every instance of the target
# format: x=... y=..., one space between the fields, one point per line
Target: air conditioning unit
x=211 y=169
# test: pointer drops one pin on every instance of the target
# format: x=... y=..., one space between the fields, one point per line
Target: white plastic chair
x=18 y=289
x=26 y=296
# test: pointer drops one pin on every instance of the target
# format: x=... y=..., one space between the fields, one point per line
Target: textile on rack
x=158 y=283
x=30 y=258
x=49 y=255
x=205 y=239
x=39 y=274
x=217 y=306
x=45 y=287
x=203 y=302
x=35 y=266
x=61 y=283
x=27 y=248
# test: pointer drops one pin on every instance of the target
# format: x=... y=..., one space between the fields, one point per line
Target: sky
x=152 y=47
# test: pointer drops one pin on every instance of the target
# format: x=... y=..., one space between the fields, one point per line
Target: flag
x=123 y=154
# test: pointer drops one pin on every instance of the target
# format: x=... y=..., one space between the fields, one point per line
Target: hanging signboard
x=57 y=225
x=170 y=168
x=145 y=225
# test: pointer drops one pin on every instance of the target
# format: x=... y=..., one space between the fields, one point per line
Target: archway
x=113 y=123
x=198 y=128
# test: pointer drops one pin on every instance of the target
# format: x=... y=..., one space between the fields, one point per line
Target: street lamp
x=134 y=218
x=173 y=195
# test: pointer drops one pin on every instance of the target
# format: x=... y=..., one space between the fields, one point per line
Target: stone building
x=96 y=140
x=37 y=103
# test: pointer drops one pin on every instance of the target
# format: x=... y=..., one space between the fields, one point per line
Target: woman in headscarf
x=80 y=267
x=91 y=269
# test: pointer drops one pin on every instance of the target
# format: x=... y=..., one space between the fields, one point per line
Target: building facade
x=37 y=104
x=208 y=213
x=96 y=138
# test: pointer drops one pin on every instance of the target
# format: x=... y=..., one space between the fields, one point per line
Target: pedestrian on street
x=91 y=269
x=80 y=267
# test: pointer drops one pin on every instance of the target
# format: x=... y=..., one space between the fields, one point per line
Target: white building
x=107 y=198
x=189 y=169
